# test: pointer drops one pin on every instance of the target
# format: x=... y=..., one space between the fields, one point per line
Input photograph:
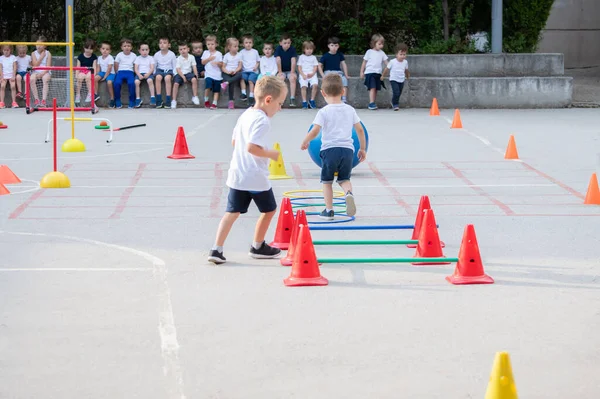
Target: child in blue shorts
x=106 y=64
x=371 y=68
x=335 y=122
x=212 y=59
x=248 y=175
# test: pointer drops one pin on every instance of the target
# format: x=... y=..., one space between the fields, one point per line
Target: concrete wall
x=573 y=28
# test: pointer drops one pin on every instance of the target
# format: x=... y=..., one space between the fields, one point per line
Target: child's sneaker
x=216 y=257
x=292 y=102
x=88 y=98
x=396 y=108
x=138 y=102
x=77 y=99
x=206 y=104
x=327 y=215
x=43 y=103
x=159 y=104
x=372 y=106
x=173 y=104
x=152 y=101
x=111 y=104
x=350 y=204
x=118 y=104
x=251 y=101
x=2 y=105
x=196 y=100
x=96 y=97
x=213 y=106
x=264 y=252
x=243 y=97
x=312 y=104
x=304 y=105
x=36 y=103
x=15 y=105
x=224 y=85
x=230 y=105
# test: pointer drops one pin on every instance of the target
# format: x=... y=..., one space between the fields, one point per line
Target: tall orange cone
x=305 y=269
x=180 y=149
x=423 y=204
x=469 y=269
x=298 y=221
x=7 y=176
x=434 y=111
x=593 y=193
x=457 y=122
x=511 y=149
x=429 y=241
x=3 y=190
x=285 y=223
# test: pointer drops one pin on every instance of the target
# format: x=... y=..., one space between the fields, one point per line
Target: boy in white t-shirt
x=398 y=68
x=250 y=65
x=268 y=63
x=371 y=68
x=212 y=59
x=248 y=175
x=144 y=70
x=8 y=63
x=124 y=65
x=307 y=69
x=106 y=64
x=336 y=120
x=187 y=71
x=23 y=62
x=165 y=69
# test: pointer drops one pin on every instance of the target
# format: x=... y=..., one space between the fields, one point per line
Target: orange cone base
x=280 y=245
x=303 y=282
x=415 y=245
x=461 y=280
x=3 y=126
x=287 y=261
x=188 y=156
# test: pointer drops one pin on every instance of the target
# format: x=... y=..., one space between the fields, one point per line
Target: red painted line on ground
x=127 y=193
x=147 y=170
x=217 y=191
x=298 y=174
x=384 y=182
x=460 y=175
x=133 y=196
x=553 y=180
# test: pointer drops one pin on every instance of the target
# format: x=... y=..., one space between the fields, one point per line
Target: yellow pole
x=71 y=89
x=33 y=44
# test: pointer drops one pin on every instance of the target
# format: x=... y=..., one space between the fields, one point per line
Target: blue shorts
x=22 y=73
x=250 y=76
x=151 y=77
x=162 y=73
x=110 y=77
x=344 y=80
x=238 y=201
x=373 y=81
x=336 y=159
x=214 y=85
x=189 y=76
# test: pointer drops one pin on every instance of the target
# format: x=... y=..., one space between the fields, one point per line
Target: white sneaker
x=88 y=98
x=350 y=204
x=195 y=100
x=173 y=104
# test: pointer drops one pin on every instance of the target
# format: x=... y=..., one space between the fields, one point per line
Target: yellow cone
x=502 y=384
x=277 y=168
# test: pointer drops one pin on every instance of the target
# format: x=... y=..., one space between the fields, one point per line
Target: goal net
x=53 y=82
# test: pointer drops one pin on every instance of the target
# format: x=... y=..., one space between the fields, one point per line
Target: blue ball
x=314 y=147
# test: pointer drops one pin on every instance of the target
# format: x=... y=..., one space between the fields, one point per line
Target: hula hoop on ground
x=307 y=204
x=292 y=193
x=348 y=218
x=310 y=198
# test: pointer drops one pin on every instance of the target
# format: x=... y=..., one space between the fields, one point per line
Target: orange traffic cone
x=511 y=149
x=7 y=176
x=423 y=204
x=285 y=223
x=593 y=193
x=3 y=190
x=457 y=122
x=298 y=221
x=469 y=269
x=429 y=241
x=305 y=269
x=180 y=149
x=434 y=111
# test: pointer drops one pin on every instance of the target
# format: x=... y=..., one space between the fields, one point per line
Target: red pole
x=93 y=90
x=55 y=138
x=27 y=90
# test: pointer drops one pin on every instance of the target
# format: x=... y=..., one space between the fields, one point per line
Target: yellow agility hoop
x=292 y=193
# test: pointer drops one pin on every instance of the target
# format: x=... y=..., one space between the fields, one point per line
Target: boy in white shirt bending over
x=336 y=120
x=144 y=69
x=212 y=59
x=307 y=69
x=398 y=68
x=248 y=176
x=186 y=72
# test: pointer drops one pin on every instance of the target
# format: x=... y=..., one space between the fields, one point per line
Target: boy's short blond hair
x=332 y=85
x=210 y=38
x=230 y=41
x=269 y=86
x=308 y=44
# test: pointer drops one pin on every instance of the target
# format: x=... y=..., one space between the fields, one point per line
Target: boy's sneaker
x=88 y=98
x=213 y=106
x=111 y=104
x=304 y=105
x=327 y=215
x=2 y=105
x=118 y=104
x=138 y=102
x=96 y=97
x=243 y=97
x=264 y=252
x=372 y=106
x=224 y=85
x=43 y=104
x=153 y=101
x=77 y=99
x=350 y=204
x=230 y=105
x=396 y=108
x=196 y=100
x=168 y=104
x=251 y=101
x=159 y=104
x=36 y=103
x=312 y=104
x=173 y=104
x=216 y=257
x=292 y=102
x=206 y=104
x=15 y=105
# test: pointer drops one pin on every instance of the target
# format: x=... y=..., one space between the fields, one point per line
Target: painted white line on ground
x=485 y=141
x=357 y=185
x=76 y=269
x=166 y=324
x=36 y=188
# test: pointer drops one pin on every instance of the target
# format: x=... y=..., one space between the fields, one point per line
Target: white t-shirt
x=125 y=61
x=144 y=63
x=23 y=63
x=211 y=71
x=336 y=121
x=268 y=65
x=166 y=62
x=306 y=63
x=249 y=59
x=374 y=60
x=186 y=64
x=44 y=60
x=397 y=69
x=232 y=61
x=247 y=172
x=105 y=62
x=8 y=64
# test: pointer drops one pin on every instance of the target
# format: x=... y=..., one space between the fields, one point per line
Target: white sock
x=257 y=245
x=328 y=210
x=243 y=91
x=214 y=102
x=217 y=248
x=252 y=95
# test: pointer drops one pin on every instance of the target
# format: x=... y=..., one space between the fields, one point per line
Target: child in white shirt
x=8 y=63
x=40 y=57
x=250 y=65
x=232 y=68
x=307 y=69
x=371 y=68
x=398 y=68
x=144 y=70
x=106 y=64
x=268 y=63
x=23 y=62
x=124 y=65
x=165 y=69
x=187 y=71
x=212 y=59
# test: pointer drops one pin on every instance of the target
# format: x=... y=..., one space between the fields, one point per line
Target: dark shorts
x=162 y=73
x=250 y=76
x=338 y=160
x=239 y=201
x=373 y=81
x=214 y=85
x=189 y=76
x=144 y=79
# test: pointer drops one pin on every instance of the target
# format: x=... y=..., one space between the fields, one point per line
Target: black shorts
x=214 y=85
x=373 y=81
x=338 y=160
x=189 y=76
x=239 y=201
